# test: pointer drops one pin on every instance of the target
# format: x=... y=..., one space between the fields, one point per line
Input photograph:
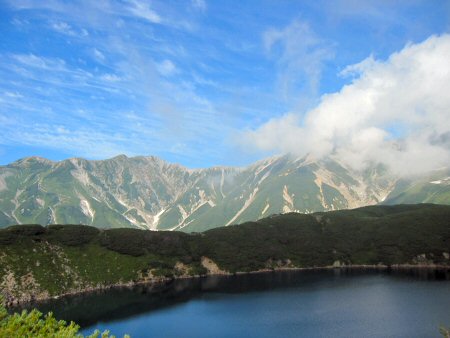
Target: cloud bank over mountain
x=394 y=111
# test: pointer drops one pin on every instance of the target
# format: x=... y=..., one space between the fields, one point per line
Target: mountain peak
x=31 y=160
x=121 y=157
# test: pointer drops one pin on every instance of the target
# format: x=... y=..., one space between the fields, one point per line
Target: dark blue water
x=282 y=304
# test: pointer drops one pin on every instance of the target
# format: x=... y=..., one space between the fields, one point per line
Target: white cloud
x=300 y=55
x=99 y=55
x=166 y=68
x=87 y=143
x=110 y=78
x=143 y=10
x=64 y=28
x=14 y=95
x=199 y=4
x=19 y=22
x=34 y=61
x=394 y=112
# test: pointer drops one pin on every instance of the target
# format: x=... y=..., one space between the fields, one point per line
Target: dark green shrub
x=26 y=230
x=72 y=235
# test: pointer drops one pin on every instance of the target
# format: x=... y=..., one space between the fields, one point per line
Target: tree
x=445 y=332
x=35 y=324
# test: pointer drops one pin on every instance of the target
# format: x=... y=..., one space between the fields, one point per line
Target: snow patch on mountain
x=3 y=176
x=318 y=182
x=265 y=209
x=40 y=202
x=288 y=200
x=443 y=181
x=87 y=210
x=155 y=221
x=80 y=173
x=247 y=203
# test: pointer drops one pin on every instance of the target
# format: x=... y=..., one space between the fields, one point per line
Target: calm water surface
x=281 y=304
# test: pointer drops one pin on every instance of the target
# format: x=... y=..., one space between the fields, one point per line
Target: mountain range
x=149 y=193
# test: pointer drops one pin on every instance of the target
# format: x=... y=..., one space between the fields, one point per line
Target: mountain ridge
x=148 y=192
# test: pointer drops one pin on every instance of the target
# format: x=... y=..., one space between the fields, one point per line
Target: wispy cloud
x=300 y=55
x=37 y=62
x=65 y=28
x=99 y=55
x=142 y=10
x=87 y=143
x=12 y=94
x=166 y=68
x=110 y=78
x=199 y=4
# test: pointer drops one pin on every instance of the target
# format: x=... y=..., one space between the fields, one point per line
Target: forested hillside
x=38 y=262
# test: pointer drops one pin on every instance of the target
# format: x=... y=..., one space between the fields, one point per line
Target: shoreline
x=160 y=281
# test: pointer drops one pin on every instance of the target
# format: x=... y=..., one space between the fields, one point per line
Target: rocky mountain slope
x=149 y=193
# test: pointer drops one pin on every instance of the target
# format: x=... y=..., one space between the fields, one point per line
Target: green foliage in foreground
x=34 y=324
x=445 y=332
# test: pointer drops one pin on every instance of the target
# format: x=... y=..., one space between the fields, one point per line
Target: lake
x=325 y=303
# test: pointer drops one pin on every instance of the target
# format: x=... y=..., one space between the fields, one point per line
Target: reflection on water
x=121 y=303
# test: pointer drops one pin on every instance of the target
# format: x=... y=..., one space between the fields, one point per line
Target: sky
x=205 y=83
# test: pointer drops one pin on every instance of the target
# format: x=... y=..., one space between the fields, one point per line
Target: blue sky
x=183 y=80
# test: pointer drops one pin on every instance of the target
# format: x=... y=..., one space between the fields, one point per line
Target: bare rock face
x=21 y=289
x=181 y=270
x=337 y=264
x=211 y=267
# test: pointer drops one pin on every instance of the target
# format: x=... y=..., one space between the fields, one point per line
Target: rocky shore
x=213 y=270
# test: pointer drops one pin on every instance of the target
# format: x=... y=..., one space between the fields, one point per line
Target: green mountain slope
x=86 y=258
